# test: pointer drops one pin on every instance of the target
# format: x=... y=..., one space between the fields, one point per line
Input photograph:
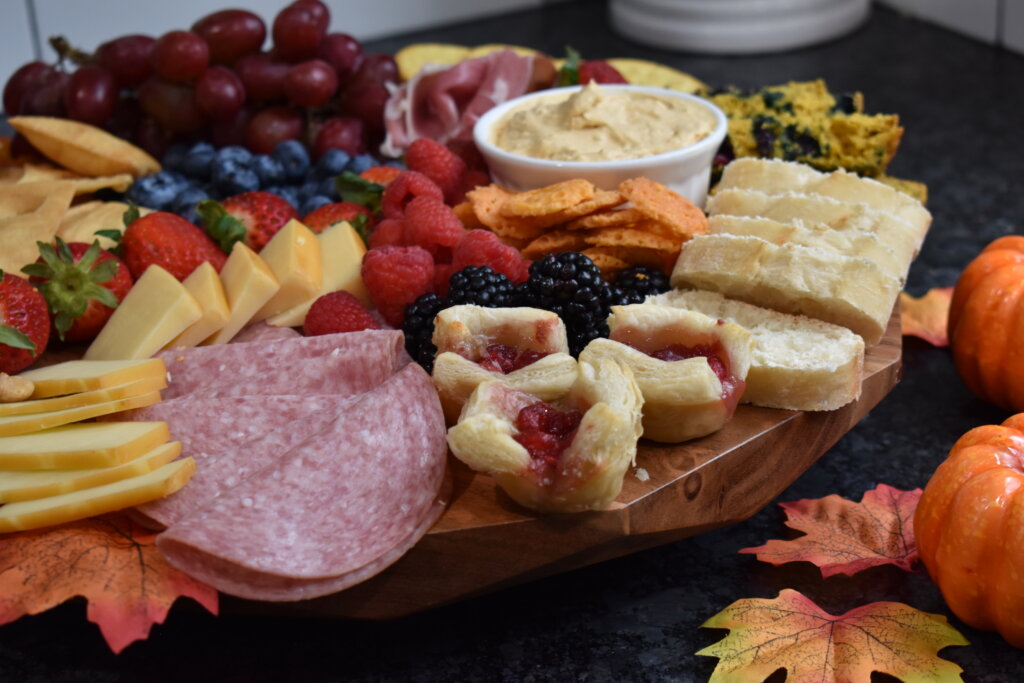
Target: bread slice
x=797 y=363
x=811 y=281
x=774 y=176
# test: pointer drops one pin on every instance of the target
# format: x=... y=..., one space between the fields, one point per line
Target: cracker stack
x=835 y=246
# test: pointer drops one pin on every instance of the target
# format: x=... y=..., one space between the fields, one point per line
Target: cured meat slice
x=337 y=509
x=261 y=331
x=190 y=370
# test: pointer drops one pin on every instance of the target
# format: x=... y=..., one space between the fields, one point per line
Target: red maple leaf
x=109 y=560
x=843 y=537
x=927 y=317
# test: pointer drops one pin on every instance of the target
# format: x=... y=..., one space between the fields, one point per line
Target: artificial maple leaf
x=928 y=316
x=791 y=632
x=109 y=560
x=843 y=537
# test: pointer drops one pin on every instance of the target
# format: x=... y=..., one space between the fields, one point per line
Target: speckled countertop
x=637 y=618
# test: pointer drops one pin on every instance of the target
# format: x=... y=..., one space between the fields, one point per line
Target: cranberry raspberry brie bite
x=690 y=367
x=568 y=456
x=524 y=347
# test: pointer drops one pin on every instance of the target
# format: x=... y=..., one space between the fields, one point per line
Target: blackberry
x=570 y=285
x=480 y=285
x=419 y=328
x=639 y=282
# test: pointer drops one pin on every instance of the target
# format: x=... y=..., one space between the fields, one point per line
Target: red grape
x=365 y=94
x=172 y=105
x=150 y=136
x=180 y=56
x=377 y=68
x=230 y=131
x=126 y=118
x=26 y=79
x=272 y=126
x=263 y=76
x=47 y=98
x=219 y=93
x=299 y=28
x=128 y=58
x=342 y=52
x=340 y=132
x=231 y=34
x=90 y=95
x=310 y=84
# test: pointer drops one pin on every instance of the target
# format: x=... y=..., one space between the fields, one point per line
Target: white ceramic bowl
x=686 y=170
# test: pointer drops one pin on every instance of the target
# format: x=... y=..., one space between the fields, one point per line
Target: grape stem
x=65 y=50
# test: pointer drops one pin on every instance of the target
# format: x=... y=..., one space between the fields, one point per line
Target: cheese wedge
x=82 y=445
x=249 y=283
x=76 y=376
x=85 y=398
x=293 y=255
x=204 y=284
x=156 y=310
x=68 y=507
x=21 y=485
x=13 y=425
x=341 y=259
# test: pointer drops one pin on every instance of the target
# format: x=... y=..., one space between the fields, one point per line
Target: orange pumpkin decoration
x=986 y=324
x=970 y=528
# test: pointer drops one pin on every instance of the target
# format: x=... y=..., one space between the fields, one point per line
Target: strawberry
x=169 y=241
x=252 y=217
x=82 y=285
x=330 y=214
x=577 y=71
x=438 y=163
x=337 y=312
x=24 y=323
x=381 y=175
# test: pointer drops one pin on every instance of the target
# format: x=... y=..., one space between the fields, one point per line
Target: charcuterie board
x=485 y=542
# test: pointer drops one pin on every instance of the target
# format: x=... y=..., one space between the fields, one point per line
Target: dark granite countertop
x=637 y=618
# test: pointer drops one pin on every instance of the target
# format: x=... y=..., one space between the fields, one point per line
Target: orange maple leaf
x=843 y=537
x=928 y=316
x=109 y=560
x=791 y=632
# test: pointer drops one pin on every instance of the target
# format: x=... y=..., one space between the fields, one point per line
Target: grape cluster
x=215 y=82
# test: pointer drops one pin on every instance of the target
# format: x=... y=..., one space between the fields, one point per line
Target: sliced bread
x=797 y=363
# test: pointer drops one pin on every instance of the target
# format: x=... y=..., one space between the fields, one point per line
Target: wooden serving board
x=485 y=542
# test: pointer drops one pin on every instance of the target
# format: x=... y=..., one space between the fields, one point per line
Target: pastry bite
x=526 y=348
x=691 y=368
x=566 y=456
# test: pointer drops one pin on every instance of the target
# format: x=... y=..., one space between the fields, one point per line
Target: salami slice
x=190 y=370
x=262 y=332
x=340 y=507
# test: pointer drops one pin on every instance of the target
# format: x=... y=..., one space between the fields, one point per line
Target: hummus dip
x=602 y=124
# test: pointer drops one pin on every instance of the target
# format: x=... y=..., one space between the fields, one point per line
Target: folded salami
x=336 y=509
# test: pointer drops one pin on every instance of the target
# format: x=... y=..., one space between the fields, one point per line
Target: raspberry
x=390 y=232
x=483 y=248
x=442 y=274
x=431 y=224
x=472 y=180
x=337 y=312
x=406 y=186
x=395 y=277
x=438 y=163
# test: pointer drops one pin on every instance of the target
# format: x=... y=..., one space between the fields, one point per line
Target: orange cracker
x=465 y=213
x=487 y=201
x=548 y=200
x=553 y=242
x=605 y=219
x=656 y=201
x=604 y=199
x=629 y=237
x=639 y=256
x=606 y=262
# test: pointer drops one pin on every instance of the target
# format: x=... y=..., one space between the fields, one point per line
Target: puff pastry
x=588 y=473
x=683 y=399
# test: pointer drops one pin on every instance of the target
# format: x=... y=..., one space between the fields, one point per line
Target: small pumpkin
x=986 y=324
x=969 y=525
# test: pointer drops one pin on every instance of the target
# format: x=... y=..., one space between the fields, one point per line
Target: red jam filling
x=505 y=359
x=732 y=386
x=546 y=432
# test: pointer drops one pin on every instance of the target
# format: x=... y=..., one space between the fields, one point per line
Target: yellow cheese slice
x=82 y=445
x=248 y=283
x=76 y=376
x=293 y=255
x=85 y=398
x=156 y=310
x=68 y=507
x=21 y=485
x=13 y=425
x=341 y=258
x=204 y=284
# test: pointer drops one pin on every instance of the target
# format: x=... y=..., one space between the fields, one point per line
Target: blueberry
x=327 y=188
x=286 y=192
x=185 y=203
x=308 y=189
x=155 y=191
x=314 y=203
x=332 y=163
x=234 y=153
x=174 y=157
x=361 y=162
x=198 y=160
x=397 y=163
x=269 y=170
x=293 y=157
x=233 y=177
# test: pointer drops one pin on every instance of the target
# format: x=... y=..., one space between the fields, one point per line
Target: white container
x=686 y=170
